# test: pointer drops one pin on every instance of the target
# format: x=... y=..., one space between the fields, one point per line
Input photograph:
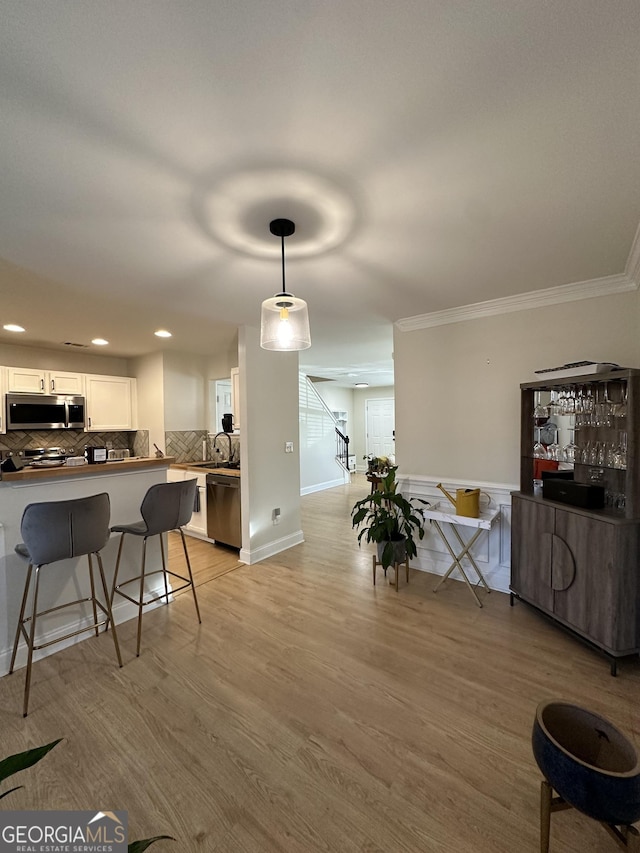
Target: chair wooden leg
x=108 y=607
x=193 y=586
x=30 y=644
x=25 y=595
x=546 y=793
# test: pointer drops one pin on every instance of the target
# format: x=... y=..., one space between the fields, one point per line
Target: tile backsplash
x=186 y=446
x=74 y=441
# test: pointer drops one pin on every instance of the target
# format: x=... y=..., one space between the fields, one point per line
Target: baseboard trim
x=255 y=555
x=320 y=487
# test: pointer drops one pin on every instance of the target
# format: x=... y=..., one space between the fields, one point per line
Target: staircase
x=324 y=449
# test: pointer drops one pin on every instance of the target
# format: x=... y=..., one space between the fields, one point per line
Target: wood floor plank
x=312 y=711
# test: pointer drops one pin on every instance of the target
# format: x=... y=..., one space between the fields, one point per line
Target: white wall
x=457 y=386
x=270 y=477
x=149 y=372
x=69 y=360
x=338 y=400
x=185 y=391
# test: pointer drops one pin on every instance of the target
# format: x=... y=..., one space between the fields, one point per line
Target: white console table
x=484 y=522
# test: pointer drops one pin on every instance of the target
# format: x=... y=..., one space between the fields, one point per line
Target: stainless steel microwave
x=37 y=411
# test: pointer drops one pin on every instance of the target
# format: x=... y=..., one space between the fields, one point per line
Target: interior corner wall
x=186 y=391
x=269 y=419
x=219 y=364
x=457 y=386
x=149 y=373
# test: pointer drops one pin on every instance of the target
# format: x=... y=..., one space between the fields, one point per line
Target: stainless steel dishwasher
x=223 y=509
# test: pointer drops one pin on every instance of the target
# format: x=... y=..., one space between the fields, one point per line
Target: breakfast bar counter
x=126 y=482
x=131 y=464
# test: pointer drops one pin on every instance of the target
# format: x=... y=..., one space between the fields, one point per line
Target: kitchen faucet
x=226 y=434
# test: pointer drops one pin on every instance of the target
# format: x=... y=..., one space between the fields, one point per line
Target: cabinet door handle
x=563 y=565
x=53 y=384
x=42 y=384
x=89 y=421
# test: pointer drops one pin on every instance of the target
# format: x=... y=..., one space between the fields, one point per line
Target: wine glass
x=553 y=450
x=620 y=453
x=539 y=450
x=540 y=412
x=571 y=451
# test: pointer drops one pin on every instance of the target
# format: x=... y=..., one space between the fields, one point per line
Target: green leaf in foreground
x=21 y=760
x=139 y=846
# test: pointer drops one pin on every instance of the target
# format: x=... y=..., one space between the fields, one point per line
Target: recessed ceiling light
x=13 y=327
x=361 y=384
x=162 y=333
x=99 y=342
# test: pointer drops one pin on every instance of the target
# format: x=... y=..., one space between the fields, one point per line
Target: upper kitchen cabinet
x=30 y=380
x=111 y=403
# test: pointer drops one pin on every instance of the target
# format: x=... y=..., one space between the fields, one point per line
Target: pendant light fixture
x=284 y=324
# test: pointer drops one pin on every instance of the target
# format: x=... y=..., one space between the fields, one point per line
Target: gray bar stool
x=60 y=530
x=165 y=507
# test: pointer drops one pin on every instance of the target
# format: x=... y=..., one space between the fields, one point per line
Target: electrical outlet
x=288 y=447
x=275 y=515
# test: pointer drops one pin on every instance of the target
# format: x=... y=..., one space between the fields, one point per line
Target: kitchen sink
x=214 y=464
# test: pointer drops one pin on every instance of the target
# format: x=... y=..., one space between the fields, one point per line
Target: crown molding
x=525 y=301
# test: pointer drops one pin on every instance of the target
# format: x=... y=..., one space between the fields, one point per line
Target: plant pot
x=588 y=762
x=399 y=551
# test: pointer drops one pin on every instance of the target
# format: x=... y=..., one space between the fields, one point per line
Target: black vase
x=588 y=762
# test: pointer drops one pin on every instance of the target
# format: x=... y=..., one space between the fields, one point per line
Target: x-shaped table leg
x=457 y=560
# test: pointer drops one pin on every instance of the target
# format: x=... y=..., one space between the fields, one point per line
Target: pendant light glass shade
x=284 y=323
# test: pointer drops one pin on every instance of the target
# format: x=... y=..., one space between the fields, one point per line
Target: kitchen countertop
x=206 y=469
x=112 y=467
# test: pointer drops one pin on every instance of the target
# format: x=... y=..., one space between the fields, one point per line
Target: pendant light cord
x=284 y=289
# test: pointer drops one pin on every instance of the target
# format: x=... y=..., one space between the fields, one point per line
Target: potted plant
x=376 y=465
x=390 y=520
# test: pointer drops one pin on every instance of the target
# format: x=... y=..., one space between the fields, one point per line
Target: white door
x=380 y=424
x=223 y=402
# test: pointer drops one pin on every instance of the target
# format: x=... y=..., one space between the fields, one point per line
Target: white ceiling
x=433 y=153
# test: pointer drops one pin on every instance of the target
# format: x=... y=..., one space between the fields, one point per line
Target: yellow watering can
x=466 y=501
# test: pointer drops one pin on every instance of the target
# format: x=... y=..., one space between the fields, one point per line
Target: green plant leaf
x=21 y=760
x=10 y=791
x=139 y=846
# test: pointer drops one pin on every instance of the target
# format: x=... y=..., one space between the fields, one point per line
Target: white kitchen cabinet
x=111 y=403
x=235 y=396
x=31 y=380
x=198 y=523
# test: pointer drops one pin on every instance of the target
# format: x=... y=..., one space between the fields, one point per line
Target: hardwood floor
x=312 y=711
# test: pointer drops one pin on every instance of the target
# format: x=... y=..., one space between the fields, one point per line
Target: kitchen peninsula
x=126 y=482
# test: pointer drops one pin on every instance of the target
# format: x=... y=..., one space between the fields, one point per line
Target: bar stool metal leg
x=30 y=644
x=141 y=596
x=193 y=586
x=19 y=629
x=93 y=594
x=107 y=600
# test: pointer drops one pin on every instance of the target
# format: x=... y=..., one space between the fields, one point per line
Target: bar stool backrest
x=58 y=530
x=168 y=506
